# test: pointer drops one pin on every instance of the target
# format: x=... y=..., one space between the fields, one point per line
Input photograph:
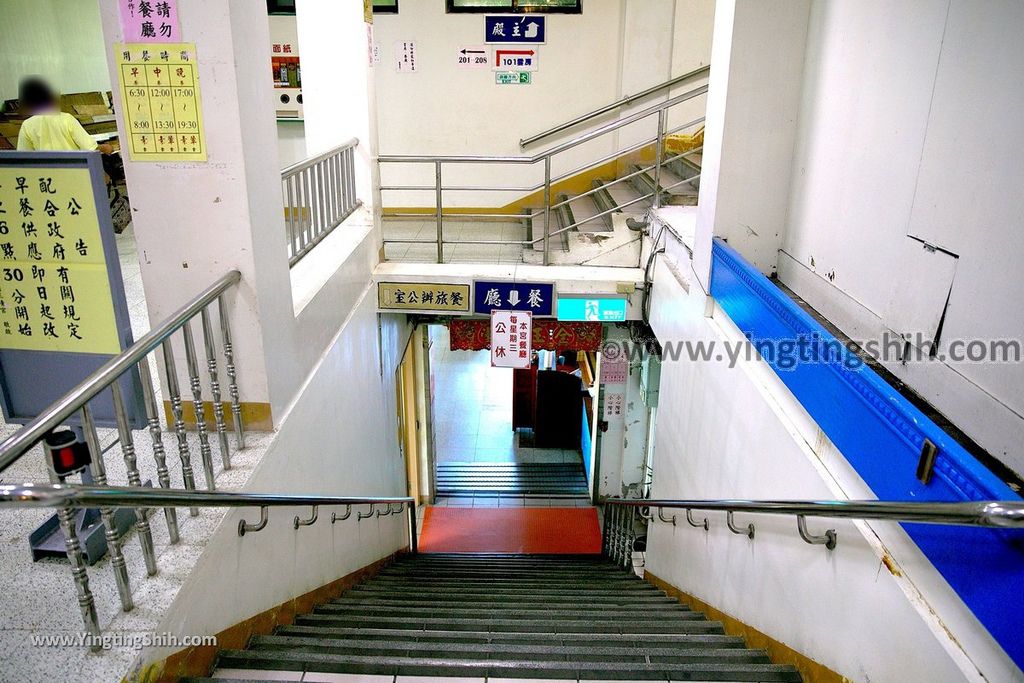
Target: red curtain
x=548 y=335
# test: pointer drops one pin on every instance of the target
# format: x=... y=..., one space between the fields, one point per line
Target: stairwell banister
x=583 y=118
x=999 y=514
x=545 y=157
x=73 y=401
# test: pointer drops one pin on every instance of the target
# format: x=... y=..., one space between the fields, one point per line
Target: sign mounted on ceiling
x=535 y=297
x=515 y=59
x=524 y=29
x=473 y=57
x=511 y=339
x=595 y=309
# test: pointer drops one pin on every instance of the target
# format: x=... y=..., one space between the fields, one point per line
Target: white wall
x=624 y=443
x=614 y=48
x=910 y=125
x=60 y=40
x=334 y=441
x=753 y=101
x=738 y=433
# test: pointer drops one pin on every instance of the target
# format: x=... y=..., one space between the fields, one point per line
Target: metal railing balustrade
x=319 y=193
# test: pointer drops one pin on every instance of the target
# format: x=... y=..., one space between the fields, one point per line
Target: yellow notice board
x=425 y=297
x=54 y=287
x=160 y=95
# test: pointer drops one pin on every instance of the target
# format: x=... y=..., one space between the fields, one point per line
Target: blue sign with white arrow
x=525 y=29
x=536 y=297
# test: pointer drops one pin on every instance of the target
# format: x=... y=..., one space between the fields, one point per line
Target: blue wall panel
x=881 y=434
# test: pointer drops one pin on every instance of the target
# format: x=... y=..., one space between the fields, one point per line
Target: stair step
x=679 y=624
x=414 y=602
x=512 y=590
x=547 y=652
x=506 y=614
x=585 y=210
x=654 y=640
x=499 y=667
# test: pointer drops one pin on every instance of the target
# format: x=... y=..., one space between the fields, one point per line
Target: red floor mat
x=510 y=530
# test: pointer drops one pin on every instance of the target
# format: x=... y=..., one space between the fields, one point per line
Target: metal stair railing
x=659 y=111
x=111 y=375
x=67 y=498
x=319 y=194
x=622 y=516
x=571 y=123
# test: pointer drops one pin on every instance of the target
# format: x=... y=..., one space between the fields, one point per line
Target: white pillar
x=754 y=91
x=195 y=221
x=337 y=84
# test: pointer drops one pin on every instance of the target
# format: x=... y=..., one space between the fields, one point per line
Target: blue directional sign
x=536 y=297
x=525 y=29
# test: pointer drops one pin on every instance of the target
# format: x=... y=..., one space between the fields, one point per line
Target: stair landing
x=517 y=530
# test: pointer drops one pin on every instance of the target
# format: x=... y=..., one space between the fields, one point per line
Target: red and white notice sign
x=511 y=339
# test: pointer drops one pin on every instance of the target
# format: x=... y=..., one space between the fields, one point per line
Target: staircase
x=550 y=480
x=503 y=616
x=599 y=216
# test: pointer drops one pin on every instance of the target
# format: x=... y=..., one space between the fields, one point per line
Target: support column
x=754 y=91
x=337 y=84
x=194 y=221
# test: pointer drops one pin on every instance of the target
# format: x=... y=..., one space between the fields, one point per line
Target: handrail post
x=547 y=210
x=229 y=367
x=658 y=144
x=99 y=477
x=414 y=546
x=440 y=219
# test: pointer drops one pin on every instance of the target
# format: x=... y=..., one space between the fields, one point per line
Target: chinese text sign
x=160 y=96
x=423 y=297
x=536 y=297
x=150 y=21
x=511 y=339
x=54 y=287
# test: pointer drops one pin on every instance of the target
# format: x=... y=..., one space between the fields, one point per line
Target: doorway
x=507 y=437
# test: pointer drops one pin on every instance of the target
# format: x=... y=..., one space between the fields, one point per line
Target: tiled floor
x=454 y=230
x=28 y=585
x=473 y=418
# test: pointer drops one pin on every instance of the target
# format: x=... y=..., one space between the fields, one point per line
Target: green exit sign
x=597 y=309
x=513 y=77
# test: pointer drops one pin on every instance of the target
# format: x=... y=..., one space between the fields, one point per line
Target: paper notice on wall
x=614 y=364
x=150 y=21
x=405 y=56
x=160 y=96
x=613 y=405
x=54 y=286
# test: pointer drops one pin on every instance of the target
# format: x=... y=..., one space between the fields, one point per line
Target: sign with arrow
x=515 y=59
x=525 y=29
x=474 y=57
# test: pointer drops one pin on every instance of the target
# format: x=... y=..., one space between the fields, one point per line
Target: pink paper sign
x=150 y=21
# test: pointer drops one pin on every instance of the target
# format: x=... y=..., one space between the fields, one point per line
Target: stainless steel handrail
x=991 y=513
x=69 y=495
x=319 y=194
x=26 y=437
x=438 y=214
x=614 y=105
x=547 y=154
x=620 y=529
x=66 y=498
x=311 y=161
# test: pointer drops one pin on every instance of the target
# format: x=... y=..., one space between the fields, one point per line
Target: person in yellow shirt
x=50 y=129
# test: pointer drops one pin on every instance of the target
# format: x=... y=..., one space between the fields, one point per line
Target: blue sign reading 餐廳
x=528 y=28
x=536 y=297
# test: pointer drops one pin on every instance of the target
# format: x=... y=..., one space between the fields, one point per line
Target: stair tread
x=541 y=616
x=317 y=661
